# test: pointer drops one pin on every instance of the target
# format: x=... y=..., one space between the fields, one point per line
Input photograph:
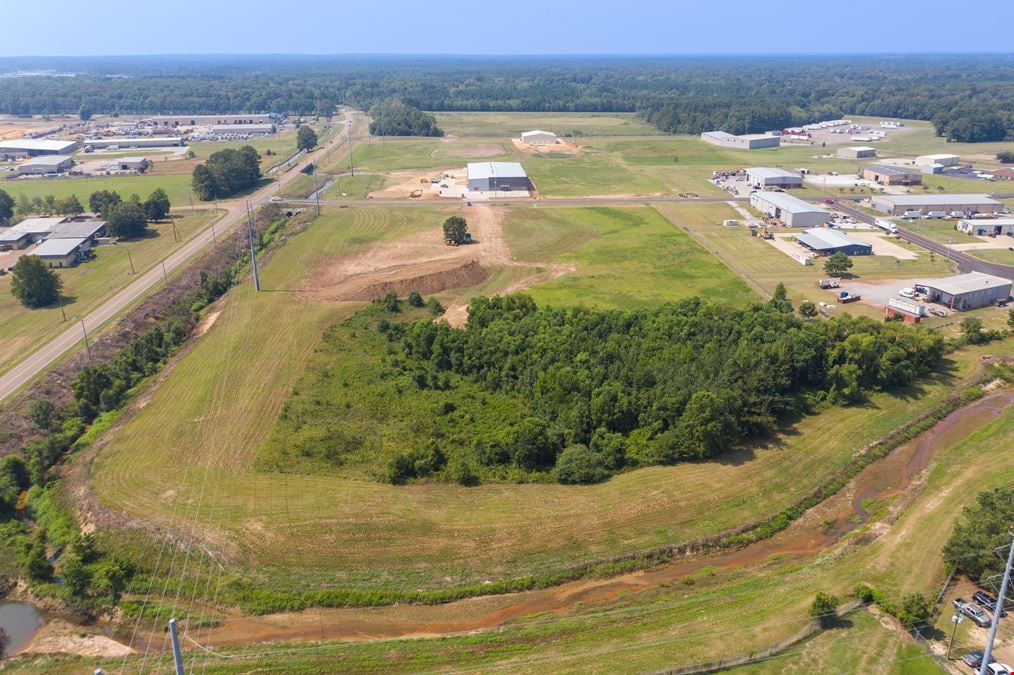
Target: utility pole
x=177 y=654
x=88 y=347
x=955 y=619
x=316 y=190
x=213 y=235
x=62 y=313
x=352 y=169
x=253 y=250
x=987 y=655
x=382 y=130
x=176 y=233
x=165 y=275
x=190 y=196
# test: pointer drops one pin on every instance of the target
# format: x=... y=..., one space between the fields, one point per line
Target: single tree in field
x=101 y=201
x=780 y=299
x=1010 y=319
x=807 y=309
x=456 y=230
x=971 y=330
x=823 y=610
x=126 y=221
x=84 y=112
x=34 y=284
x=837 y=264
x=306 y=138
x=6 y=207
x=157 y=206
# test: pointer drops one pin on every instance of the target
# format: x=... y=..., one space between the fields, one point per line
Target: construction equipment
x=415 y=194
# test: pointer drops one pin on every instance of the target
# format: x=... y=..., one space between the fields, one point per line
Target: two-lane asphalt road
x=36 y=362
x=966 y=262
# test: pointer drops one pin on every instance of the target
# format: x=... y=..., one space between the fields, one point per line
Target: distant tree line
x=968 y=97
x=397 y=118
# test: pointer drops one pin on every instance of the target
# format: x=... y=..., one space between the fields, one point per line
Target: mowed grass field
x=88 y=284
x=511 y=125
x=623 y=258
x=175 y=185
x=716 y=611
x=212 y=415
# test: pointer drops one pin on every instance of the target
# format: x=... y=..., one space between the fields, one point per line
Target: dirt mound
x=428 y=278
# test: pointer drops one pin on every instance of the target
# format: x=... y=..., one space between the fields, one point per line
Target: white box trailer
x=913 y=307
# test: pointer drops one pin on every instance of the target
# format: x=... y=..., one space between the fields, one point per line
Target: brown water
x=816 y=530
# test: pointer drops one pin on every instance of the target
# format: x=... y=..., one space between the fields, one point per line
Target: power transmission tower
x=987 y=655
x=352 y=169
x=253 y=249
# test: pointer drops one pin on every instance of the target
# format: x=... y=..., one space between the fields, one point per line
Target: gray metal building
x=46 y=164
x=966 y=291
x=825 y=241
x=896 y=205
x=34 y=147
x=765 y=176
x=789 y=210
x=744 y=142
x=497 y=176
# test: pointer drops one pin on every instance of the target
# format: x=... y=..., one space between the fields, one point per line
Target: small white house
x=538 y=137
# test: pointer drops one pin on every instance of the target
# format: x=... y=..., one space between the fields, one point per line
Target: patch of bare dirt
x=427 y=278
x=62 y=637
x=559 y=146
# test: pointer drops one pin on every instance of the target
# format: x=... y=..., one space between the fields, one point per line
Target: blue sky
x=103 y=27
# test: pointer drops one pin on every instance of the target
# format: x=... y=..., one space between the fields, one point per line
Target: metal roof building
x=891 y=175
x=897 y=205
x=243 y=128
x=497 y=176
x=84 y=229
x=765 y=176
x=145 y=142
x=966 y=291
x=46 y=164
x=744 y=142
x=34 y=147
x=826 y=241
x=942 y=159
x=538 y=137
x=992 y=226
x=39 y=227
x=789 y=210
x=59 y=252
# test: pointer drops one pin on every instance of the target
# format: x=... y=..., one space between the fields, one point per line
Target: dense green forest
x=392 y=117
x=968 y=97
x=529 y=393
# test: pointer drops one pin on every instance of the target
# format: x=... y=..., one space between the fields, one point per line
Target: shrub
x=578 y=464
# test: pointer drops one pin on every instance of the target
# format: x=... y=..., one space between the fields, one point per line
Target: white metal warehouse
x=857 y=152
x=789 y=210
x=765 y=176
x=46 y=164
x=745 y=142
x=966 y=291
x=897 y=205
x=34 y=147
x=988 y=227
x=538 y=137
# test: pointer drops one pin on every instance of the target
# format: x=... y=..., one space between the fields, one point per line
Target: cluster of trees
x=984 y=527
x=394 y=117
x=129 y=219
x=1006 y=156
x=226 y=173
x=43 y=206
x=6 y=207
x=604 y=390
x=677 y=94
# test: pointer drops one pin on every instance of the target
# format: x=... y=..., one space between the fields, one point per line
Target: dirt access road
x=235 y=213
x=424 y=263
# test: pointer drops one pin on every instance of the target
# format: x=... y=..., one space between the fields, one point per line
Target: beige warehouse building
x=857 y=152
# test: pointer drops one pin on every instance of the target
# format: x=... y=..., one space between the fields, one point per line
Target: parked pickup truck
x=974 y=613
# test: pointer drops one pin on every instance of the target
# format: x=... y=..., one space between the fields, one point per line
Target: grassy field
x=765 y=266
x=716 y=611
x=425 y=535
x=1000 y=255
x=175 y=185
x=511 y=125
x=623 y=258
x=354 y=187
x=396 y=154
x=87 y=285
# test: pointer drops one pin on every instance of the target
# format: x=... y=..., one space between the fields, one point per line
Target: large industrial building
x=897 y=205
x=145 y=142
x=745 y=142
x=35 y=147
x=85 y=231
x=247 y=129
x=207 y=120
x=46 y=164
x=966 y=291
x=538 y=137
x=764 y=176
x=986 y=228
x=857 y=152
x=788 y=209
x=825 y=241
x=942 y=160
x=891 y=175
x=497 y=177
